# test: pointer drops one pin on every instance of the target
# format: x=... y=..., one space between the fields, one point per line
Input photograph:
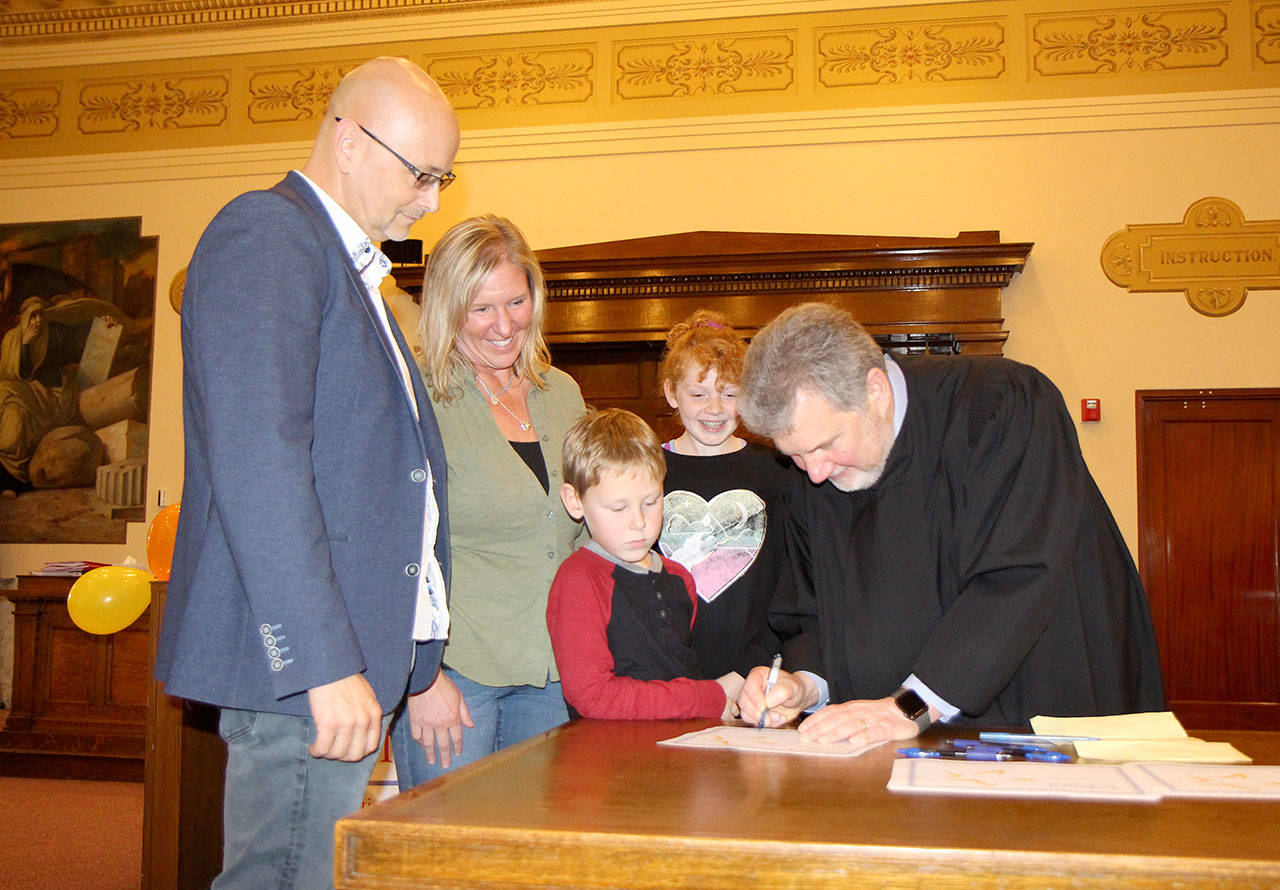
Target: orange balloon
x=160 y=536
x=108 y=599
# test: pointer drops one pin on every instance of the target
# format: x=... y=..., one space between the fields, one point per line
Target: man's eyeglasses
x=424 y=178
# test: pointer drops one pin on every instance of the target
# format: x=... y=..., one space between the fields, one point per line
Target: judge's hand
x=436 y=717
x=788 y=697
x=861 y=722
x=348 y=719
x=732 y=685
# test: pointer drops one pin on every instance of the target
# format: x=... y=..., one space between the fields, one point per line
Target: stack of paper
x=1090 y=781
x=1122 y=738
x=70 y=568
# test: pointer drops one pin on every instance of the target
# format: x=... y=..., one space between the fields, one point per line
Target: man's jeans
x=280 y=803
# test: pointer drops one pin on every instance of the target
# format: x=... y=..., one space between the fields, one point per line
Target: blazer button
x=412 y=569
x=277 y=664
x=273 y=652
x=418 y=475
x=268 y=640
x=264 y=629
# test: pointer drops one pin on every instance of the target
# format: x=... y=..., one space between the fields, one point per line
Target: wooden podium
x=185 y=764
x=79 y=700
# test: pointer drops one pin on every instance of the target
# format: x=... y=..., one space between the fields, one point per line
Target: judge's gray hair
x=814 y=347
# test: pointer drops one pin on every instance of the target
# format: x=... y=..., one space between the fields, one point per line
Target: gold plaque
x=176 y=289
x=1213 y=256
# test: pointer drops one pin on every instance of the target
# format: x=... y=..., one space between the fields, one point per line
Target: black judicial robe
x=984 y=560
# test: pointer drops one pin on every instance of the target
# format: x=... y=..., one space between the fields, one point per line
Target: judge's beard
x=858 y=478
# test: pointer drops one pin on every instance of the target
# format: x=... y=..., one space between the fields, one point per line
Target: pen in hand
x=769 y=684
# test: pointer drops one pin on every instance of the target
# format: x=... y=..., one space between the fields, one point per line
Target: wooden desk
x=185 y=768
x=598 y=804
x=79 y=700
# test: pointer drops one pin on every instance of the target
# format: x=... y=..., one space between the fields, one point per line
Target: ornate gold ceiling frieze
x=296 y=93
x=905 y=53
x=517 y=77
x=824 y=61
x=29 y=111
x=1129 y=41
x=126 y=106
x=1266 y=29
x=711 y=65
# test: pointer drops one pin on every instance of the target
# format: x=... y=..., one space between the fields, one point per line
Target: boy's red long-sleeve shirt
x=622 y=641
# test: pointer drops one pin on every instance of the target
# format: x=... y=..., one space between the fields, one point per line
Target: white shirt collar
x=898 y=381
x=370 y=262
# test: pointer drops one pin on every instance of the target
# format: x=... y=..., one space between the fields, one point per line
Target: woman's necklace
x=525 y=425
x=493 y=397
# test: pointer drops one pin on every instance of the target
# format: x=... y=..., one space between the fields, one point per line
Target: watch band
x=913 y=707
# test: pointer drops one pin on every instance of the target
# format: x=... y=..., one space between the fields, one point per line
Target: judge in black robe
x=979 y=561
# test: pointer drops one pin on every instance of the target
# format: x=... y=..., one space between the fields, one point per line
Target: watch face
x=911 y=704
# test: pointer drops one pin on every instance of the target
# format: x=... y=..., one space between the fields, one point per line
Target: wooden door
x=1208 y=511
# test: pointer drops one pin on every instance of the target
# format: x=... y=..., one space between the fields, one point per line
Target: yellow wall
x=1064 y=172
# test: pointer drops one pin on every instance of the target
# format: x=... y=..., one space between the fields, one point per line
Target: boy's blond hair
x=609 y=439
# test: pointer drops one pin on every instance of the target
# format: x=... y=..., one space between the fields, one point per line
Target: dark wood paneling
x=1209 y=516
x=610 y=305
x=623 y=375
x=185 y=768
x=79 y=699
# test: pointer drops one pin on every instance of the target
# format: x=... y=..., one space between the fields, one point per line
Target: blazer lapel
x=303 y=193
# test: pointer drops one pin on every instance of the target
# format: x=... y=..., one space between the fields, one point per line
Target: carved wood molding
x=635 y=290
x=799 y=282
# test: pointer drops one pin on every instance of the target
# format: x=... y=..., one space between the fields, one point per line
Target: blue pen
x=986 y=753
x=1011 y=746
x=1039 y=755
x=1007 y=737
x=1047 y=756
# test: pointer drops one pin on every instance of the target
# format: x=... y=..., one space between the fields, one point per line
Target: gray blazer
x=299 y=539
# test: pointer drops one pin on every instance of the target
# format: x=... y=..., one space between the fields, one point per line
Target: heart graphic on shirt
x=716 y=541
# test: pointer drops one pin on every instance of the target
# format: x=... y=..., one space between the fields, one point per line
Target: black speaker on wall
x=403 y=253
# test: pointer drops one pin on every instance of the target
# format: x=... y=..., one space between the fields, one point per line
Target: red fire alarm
x=1090 y=410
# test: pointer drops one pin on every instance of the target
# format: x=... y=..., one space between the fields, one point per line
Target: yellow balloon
x=109 y=599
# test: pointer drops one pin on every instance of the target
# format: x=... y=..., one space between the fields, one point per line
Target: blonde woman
x=503 y=412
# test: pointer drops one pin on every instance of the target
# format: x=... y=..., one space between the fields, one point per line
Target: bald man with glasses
x=310 y=572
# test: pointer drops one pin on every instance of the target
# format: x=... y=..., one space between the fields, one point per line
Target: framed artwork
x=77 y=312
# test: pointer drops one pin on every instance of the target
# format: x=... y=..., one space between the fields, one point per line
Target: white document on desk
x=1208 y=780
x=1088 y=781
x=1083 y=781
x=777 y=741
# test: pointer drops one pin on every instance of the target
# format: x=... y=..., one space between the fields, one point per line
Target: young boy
x=620 y=615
